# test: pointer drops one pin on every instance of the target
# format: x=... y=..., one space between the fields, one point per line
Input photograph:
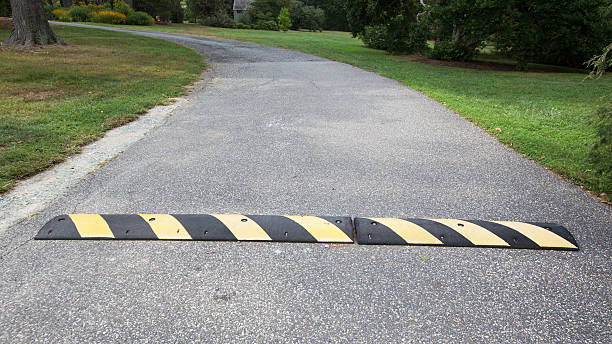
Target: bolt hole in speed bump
x=310 y=229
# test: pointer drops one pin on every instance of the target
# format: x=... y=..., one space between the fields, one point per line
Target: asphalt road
x=281 y=132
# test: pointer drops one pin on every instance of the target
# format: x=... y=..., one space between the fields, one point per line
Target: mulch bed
x=6 y=23
x=479 y=65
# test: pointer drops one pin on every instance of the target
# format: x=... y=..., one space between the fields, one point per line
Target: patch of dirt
x=40 y=96
x=6 y=23
x=479 y=65
x=34 y=93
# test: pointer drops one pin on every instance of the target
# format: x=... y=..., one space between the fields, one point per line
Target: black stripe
x=447 y=235
x=509 y=235
x=59 y=228
x=280 y=228
x=370 y=232
x=559 y=230
x=205 y=227
x=129 y=227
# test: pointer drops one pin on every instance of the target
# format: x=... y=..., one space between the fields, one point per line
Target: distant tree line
x=560 y=32
x=305 y=14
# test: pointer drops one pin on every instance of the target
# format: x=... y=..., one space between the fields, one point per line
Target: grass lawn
x=54 y=100
x=545 y=117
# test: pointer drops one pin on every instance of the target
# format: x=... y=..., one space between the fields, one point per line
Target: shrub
x=162 y=10
x=269 y=25
x=121 y=7
x=108 y=17
x=80 y=13
x=64 y=18
x=96 y=8
x=405 y=32
x=395 y=37
x=58 y=12
x=48 y=11
x=266 y=10
x=448 y=51
x=61 y=14
x=406 y=36
x=601 y=154
x=463 y=25
x=139 y=18
x=221 y=19
x=306 y=17
x=561 y=32
x=374 y=36
x=243 y=26
x=284 y=22
x=312 y=18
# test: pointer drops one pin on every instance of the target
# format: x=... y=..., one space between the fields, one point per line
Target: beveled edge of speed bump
x=463 y=233
x=209 y=227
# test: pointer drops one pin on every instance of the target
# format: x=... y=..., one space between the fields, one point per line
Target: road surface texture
x=281 y=132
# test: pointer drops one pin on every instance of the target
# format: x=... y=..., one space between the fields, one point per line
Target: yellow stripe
x=321 y=229
x=166 y=227
x=539 y=235
x=474 y=233
x=91 y=226
x=410 y=232
x=243 y=230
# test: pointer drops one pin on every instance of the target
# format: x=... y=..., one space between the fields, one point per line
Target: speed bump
x=217 y=227
x=472 y=233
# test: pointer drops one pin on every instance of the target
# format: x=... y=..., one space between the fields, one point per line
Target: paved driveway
x=281 y=132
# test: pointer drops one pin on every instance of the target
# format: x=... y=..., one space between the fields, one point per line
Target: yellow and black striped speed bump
x=472 y=233
x=215 y=227
x=372 y=231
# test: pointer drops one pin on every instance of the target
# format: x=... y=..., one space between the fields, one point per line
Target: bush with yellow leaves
x=108 y=17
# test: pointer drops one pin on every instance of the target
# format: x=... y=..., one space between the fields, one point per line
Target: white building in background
x=240 y=9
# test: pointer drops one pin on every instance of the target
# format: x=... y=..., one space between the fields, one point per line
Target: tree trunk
x=30 y=26
x=66 y=3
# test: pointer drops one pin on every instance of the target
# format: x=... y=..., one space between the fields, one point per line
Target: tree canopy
x=562 y=32
x=395 y=23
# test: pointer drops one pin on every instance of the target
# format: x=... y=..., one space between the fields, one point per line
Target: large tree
x=30 y=25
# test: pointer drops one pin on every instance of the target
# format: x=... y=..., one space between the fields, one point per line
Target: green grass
x=545 y=117
x=54 y=100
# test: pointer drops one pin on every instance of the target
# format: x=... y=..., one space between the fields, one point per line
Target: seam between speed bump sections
x=309 y=229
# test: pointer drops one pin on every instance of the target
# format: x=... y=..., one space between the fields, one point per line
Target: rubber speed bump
x=472 y=233
x=216 y=227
